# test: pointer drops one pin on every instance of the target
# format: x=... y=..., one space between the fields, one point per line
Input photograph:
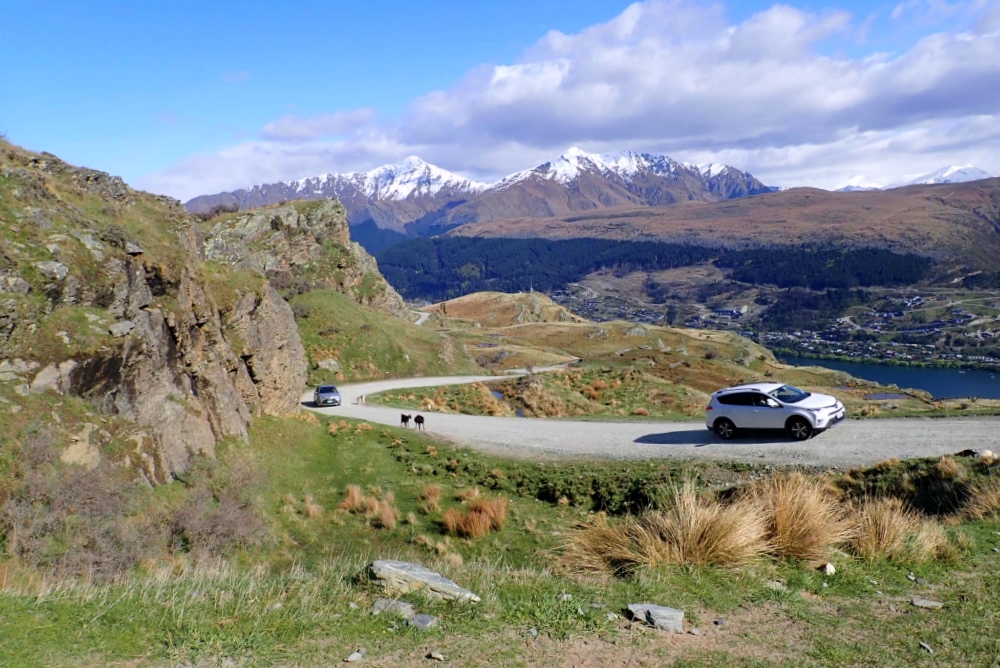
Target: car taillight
x=709 y=407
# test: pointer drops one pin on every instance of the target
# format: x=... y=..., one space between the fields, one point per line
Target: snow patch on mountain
x=952 y=174
x=574 y=161
x=411 y=177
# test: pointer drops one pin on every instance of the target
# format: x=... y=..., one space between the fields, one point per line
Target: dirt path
x=853 y=443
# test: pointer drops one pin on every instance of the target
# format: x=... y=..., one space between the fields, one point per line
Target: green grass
x=369 y=344
x=288 y=602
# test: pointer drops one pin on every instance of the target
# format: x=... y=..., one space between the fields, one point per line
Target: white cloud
x=675 y=76
x=297 y=128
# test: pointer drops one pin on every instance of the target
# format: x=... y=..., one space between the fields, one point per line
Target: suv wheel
x=800 y=429
x=725 y=429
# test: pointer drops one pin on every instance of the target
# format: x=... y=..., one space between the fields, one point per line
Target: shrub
x=803 y=517
x=495 y=509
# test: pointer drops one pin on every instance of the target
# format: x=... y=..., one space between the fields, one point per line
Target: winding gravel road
x=853 y=443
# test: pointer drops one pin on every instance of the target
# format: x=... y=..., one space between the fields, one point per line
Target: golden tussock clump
x=692 y=530
x=885 y=528
x=467 y=494
x=430 y=498
x=353 y=501
x=312 y=509
x=984 y=500
x=642 y=412
x=804 y=518
x=481 y=517
x=948 y=468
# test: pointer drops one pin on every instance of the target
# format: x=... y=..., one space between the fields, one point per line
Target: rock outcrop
x=306 y=245
x=187 y=350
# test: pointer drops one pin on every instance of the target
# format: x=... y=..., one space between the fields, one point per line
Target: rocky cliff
x=304 y=245
x=106 y=294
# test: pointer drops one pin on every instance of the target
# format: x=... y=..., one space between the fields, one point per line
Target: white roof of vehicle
x=760 y=387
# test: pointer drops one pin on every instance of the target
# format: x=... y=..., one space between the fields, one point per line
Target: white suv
x=772 y=406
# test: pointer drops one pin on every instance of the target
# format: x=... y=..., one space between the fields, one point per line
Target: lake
x=941 y=383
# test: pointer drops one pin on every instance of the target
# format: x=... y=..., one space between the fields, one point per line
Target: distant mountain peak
x=951 y=174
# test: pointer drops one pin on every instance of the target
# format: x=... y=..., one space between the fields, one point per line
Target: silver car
x=326 y=395
x=772 y=406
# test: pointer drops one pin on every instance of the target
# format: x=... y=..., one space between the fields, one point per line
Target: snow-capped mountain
x=953 y=174
x=416 y=197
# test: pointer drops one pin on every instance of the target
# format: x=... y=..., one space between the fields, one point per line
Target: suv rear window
x=737 y=399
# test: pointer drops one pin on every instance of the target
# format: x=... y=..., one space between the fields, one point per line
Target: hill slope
x=960 y=222
x=499 y=309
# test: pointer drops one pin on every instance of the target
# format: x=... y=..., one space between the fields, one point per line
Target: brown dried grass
x=354 y=500
x=948 y=468
x=642 y=412
x=481 y=517
x=984 y=500
x=467 y=494
x=881 y=528
x=804 y=518
x=430 y=499
x=693 y=530
x=495 y=509
x=311 y=508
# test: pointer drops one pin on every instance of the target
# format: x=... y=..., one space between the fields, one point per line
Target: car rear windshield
x=789 y=395
x=326 y=389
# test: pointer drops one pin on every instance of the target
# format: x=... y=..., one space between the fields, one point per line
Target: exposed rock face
x=401 y=577
x=149 y=331
x=196 y=375
x=306 y=244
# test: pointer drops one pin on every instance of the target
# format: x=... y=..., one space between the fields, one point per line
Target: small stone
x=423 y=622
x=926 y=647
x=564 y=597
x=533 y=633
x=921 y=581
x=580 y=612
x=436 y=656
x=354 y=657
x=874 y=581
x=695 y=631
x=829 y=569
x=926 y=603
x=658 y=616
x=720 y=621
x=777 y=586
x=392 y=606
x=612 y=617
x=352 y=605
x=133 y=248
x=892 y=608
x=911 y=577
x=825 y=585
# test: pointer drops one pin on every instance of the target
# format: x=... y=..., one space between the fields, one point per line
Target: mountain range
x=414 y=197
x=952 y=174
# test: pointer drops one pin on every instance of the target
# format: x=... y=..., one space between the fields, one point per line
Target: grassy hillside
x=367 y=344
x=291 y=599
x=499 y=309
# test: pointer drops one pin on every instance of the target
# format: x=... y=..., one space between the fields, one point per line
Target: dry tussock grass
x=882 y=528
x=984 y=500
x=804 y=518
x=693 y=530
x=311 y=508
x=948 y=468
x=354 y=500
x=642 y=412
x=467 y=494
x=430 y=499
x=481 y=517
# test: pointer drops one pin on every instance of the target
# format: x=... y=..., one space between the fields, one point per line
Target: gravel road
x=852 y=443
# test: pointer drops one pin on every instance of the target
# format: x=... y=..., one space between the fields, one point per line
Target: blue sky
x=189 y=97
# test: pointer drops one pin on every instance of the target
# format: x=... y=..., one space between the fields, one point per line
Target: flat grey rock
x=402 y=577
x=354 y=657
x=658 y=616
x=926 y=603
x=422 y=622
x=122 y=328
x=132 y=248
x=54 y=270
x=393 y=607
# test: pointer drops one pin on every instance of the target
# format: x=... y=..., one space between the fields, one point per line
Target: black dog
x=419 y=421
x=404 y=420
